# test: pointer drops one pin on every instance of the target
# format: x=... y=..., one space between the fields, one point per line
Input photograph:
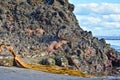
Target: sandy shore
x=13 y=73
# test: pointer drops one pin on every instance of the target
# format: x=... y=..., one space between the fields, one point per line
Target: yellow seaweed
x=46 y=68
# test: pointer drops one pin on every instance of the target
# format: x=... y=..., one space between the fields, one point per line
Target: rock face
x=48 y=28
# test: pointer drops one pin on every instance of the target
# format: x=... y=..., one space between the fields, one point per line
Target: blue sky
x=94 y=1
x=102 y=17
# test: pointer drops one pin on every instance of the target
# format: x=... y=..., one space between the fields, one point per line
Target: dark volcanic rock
x=32 y=26
x=61 y=61
x=48 y=61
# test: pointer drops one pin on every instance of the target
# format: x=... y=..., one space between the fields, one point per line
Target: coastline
x=49 y=31
x=114 y=41
x=14 y=73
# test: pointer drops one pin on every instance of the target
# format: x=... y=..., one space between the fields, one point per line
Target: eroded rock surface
x=40 y=29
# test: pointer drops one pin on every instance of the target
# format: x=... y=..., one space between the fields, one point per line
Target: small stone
x=48 y=61
x=71 y=7
x=74 y=61
x=42 y=54
x=50 y=2
x=11 y=18
x=61 y=61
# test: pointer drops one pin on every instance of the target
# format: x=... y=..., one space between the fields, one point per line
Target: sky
x=102 y=17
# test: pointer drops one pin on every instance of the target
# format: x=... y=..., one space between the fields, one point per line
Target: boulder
x=39 y=28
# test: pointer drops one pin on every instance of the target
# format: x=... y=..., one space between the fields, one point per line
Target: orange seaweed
x=45 y=68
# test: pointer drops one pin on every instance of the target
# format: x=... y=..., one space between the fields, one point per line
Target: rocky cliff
x=47 y=32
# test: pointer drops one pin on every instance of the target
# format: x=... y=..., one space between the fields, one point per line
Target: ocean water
x=114 y=44
x=114 y=41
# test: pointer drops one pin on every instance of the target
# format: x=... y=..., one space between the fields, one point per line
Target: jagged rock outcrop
x=42 y=29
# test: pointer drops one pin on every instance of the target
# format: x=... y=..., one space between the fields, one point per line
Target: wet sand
x=14 y=73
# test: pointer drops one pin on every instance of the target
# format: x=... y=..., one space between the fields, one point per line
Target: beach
x=14 y=73
x=44 y=34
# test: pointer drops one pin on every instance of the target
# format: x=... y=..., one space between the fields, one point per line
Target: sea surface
x=114 y=44
x=113 y=40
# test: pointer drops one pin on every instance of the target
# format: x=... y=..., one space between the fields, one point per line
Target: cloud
x=98 y=28
x=111 y=24
x=85 y=28
x=112 y=17
x=99 y=17
x=102 y=8
x=90 y=19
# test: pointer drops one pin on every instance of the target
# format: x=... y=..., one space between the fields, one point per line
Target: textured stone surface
x=40 y=28
x=6 y=61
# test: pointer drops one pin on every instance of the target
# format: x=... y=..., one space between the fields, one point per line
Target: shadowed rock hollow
x=47 y=32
